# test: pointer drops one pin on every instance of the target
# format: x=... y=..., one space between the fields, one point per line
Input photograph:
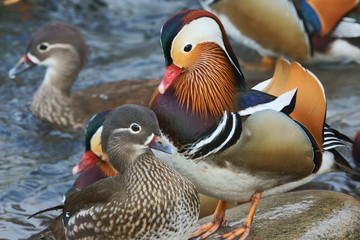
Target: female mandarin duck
x=311 y=30
x=94 y=164
x=148 y=200
x=238 y=144
x=62 y=49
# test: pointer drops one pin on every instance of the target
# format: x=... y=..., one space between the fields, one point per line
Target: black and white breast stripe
x=331 y=140
x=229 y=128
x=222 y=137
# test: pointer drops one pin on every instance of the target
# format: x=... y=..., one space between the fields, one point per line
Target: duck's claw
x=207 y=229
x=242 y=232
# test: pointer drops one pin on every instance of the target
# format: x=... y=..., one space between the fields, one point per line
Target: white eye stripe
x=120 y=130
x=60 y=45
x=204 y=29
x=201 y=30
x=129 y=129
x=56 y=45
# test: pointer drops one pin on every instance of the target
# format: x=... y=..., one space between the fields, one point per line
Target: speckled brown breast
x=151 y=201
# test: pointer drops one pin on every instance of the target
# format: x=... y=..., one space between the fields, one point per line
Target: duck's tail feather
x=47 y=210
x=338 y=134
x=55 y=231
x=342 y=164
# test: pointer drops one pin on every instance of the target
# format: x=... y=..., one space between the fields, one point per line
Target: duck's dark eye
x=43 y=46
x=188 y=48
x=135 y=128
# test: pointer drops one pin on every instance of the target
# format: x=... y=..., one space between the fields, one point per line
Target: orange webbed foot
x=243 y=232
x=207 y=229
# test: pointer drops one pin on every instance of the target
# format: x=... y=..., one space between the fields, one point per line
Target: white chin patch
x=148 y=140
x=33 y=58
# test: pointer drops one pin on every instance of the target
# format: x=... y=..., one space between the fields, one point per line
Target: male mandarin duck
x=237 y=144
x=148 y=200
x=62 y=49
x=94 y=159
x=303 y=30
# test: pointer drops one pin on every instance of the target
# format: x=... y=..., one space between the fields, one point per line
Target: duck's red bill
x=171 y=73
x=87 y=160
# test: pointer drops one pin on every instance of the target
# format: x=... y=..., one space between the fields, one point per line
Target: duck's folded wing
x=96 y=194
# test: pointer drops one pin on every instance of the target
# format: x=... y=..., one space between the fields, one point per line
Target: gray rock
x=308 y=214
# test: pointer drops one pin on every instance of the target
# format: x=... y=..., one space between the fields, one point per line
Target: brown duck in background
x=63 y=50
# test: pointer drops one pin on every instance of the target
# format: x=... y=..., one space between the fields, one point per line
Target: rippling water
x=36 y=159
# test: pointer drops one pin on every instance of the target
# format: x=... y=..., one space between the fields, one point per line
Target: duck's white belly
x=222 y=183
x=268 y=169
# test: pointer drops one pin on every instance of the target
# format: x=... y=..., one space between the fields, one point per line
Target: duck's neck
x=150 y=170
x=122 y=158
x=52 y=101
x=197 y=100
x=209 y=86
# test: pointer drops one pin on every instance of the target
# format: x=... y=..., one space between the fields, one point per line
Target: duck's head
x=54 y=45
x=191 y=37
x=128 y=132
x=94 y=155
x=201 y=66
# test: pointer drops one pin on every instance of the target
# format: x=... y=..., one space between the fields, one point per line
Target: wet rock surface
x=307 y=214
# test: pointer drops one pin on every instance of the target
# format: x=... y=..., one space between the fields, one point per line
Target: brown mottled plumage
x=62 y=49
x=149 y=200
x=143 y=206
